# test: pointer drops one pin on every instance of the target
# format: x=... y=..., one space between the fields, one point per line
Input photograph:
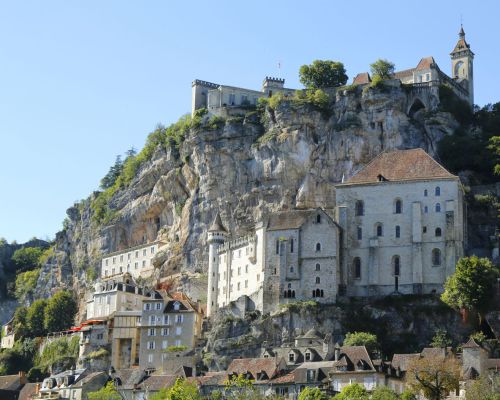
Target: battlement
x=237 y=243
x=199 y=82
x=272 y=79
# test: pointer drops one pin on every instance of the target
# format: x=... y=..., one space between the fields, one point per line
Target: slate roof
x=157 y=382
x=254 y=366
x=404 y=73
x=10 y=382
x=462 y=43
x=217 y=225
x=129 y=377
x=28 y=391
x=311 y=334
x=401 y=165
x=357 y=354
x=402 y=361
x=471 y=344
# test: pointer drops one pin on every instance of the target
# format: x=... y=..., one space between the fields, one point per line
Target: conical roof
x=312 y=334
x=217 y=225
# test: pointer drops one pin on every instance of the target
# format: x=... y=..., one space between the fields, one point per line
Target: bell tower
x=217 y=234
x=462 y=59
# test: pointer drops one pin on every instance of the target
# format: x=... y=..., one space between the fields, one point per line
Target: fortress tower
x=216 y=237
x=462 y=59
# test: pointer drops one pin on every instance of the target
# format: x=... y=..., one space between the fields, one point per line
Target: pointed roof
x=400 y=165
x=217 y=225
x=462 y=43
x=426 y=63
x=362 y=78
x=471 y=344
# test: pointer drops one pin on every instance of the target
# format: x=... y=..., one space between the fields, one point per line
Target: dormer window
x=308 y=356
x=381 y=178
x=291 y=357
x=318 y=219
x=176 y=306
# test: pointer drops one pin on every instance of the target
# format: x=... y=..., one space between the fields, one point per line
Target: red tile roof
x=426 y=63
x=254 y=366
x=401 y=165
x=362 y=78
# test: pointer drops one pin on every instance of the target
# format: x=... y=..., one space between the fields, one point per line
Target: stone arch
x=416 y=106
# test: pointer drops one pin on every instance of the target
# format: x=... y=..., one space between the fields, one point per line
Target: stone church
x=398 y=229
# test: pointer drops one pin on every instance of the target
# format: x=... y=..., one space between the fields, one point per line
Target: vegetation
x=175 y=349
x=60 y=351
x=107 y=392
x=383 y=393
x=182 y=390
x=434 y=376
x=35 y=317
x=459 y=108
x=441 y=339
x=25 y=284
x=485 y=388
x=494 y=146
x=101 y=353
x=354 y=391
x=27 y=258
x=298 y=306
x=19 y=358
x=323 y=74
x=383 y=69
x=472 y=285
x=362 y=339
x=60 y=312
x=312 y=393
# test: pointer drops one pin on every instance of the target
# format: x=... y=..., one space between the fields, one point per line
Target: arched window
x=291 y=269
x=321 y=293
x=378 y=229
x=425 y=193
x=318 y=219
x=293 y=293
x=318 y=267
x=437 y=191
x=438 y=207
x=398 y=231
x=291 y=245
x=356 y=264
x=426 y=209
x=396 y=265
x=436 y=257
x=360 y=208
x=318 y=246
x=289 y=286
x=398 y=206
x=360 y=233
x=318 y=280
x=438 y=232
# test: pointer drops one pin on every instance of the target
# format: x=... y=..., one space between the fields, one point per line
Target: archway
x=416 y=107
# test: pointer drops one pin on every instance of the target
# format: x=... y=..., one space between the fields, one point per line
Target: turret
x=217 y=234
x=462 y=65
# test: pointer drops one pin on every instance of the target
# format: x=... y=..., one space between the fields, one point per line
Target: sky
x=83 y=81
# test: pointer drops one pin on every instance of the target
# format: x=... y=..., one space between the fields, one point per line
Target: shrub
x=101 y=353
x=26 y=284
x=175 y=349
x=27 y=258
x=59 y=350
x=450 y=102
x=369 y=340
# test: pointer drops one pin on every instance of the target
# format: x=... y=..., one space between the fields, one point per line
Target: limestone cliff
x=274 y=159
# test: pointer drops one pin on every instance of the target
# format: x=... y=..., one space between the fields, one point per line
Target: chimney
x=22 y=378
x=337 y=353
x=37 y=388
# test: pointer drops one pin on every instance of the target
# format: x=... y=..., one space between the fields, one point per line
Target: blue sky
x=81 y=82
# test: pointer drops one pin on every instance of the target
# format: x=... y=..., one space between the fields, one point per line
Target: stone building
x=136 y=261
x=110 y=295
x=403 y=221
x=125 y=339
x=292 y=255
x=8 y=335
x=168 y=324
x=215 y=97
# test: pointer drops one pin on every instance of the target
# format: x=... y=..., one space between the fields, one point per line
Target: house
x=125 y=339
x=292 y=255
x=403 y=225
x=71 y=385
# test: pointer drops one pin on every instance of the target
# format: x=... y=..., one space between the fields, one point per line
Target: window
x=177 y=306
x=357 y=268
x=359 y=208
x=291 y=357
x=151 y=345
x=291 y=270
x=178 y=330
x=425 y=193
x=424 y=229
x=277 y=246
x=426 y=209
x=150 y=358
x=318 y=267
x=438 y=232
x=164 y=344
x=158 y=306
x=289 y=286
x=318 y=246
x=246 y=269
x=398 y=206
x=360 y=233
x=165 y=331
x=232 y=99
x=239 y=253
x=239 y=271
x=398 y=231
x=378 y=229
x=318 y=280
x=436 y=257
x=318 y=219
x=107 y=263
x=246 y=283
x=178 y=342
x=180 y=319
x=437 y=191
x=152 y=332
x=308 y=356
x=143 y=263
x=291 y=245
x=114 y=260
x=396 y=264
x=128 y=256
x=438 y=207
x=100 y=336
x=239 y=285
x=136 y=254
x=136 y=265
x=121 y=258
x=152 y=320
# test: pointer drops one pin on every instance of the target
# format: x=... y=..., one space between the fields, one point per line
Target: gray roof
x=217 y=225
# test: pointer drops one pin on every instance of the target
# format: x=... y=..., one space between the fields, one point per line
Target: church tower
x=216 y=237
x=461 y=65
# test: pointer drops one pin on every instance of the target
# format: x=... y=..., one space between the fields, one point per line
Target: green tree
x=384 y=393
x=60 y=312
x=19 y=323
x=35 y=317
x=494 y=146
x=354 y=391
x=323 y=74
x=107 y=392
x=407 y=395
x=441 y=339
x=479 y=337
x=382 y=68
x=114 y=172
x=485 y=388
x=25 y=284
x=366 y=339
x=472 y=285
x=310 y=393
x=27 y=258
x=182 y=390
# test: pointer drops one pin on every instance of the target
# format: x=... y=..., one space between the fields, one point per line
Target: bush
x=366 y=339
x=63 y=350
x=175 y=349
x=450 y=102
x=27 y=258
x=101 y=353
x=26 y=284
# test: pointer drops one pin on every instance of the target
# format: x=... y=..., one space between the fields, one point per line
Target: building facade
x=403 y=222
x=136 y=261
x=292 y=256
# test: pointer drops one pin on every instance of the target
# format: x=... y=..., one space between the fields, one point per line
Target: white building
x=293 y=255
x=114 y=294
x=137 y=261
x=403 y=222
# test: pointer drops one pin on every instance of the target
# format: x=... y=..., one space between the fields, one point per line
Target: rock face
x=277 y=159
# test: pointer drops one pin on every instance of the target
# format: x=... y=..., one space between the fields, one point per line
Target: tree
x=25 y=284
x=366 y=339
x=114 y=172
x=384 y=393
x=35 y=317
x=472 y=285
x=19 y=323
x=239 y=388
x=434 y=376
x=407 y=395
x=494 y=146
x=353 y=391
x=441 y=339
x=107 y=392
x=60 y=312
x=182 y=390
x=485 y=388
x=310 y=393
x=382 y=68
x=323 y=74
x=27 y=258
